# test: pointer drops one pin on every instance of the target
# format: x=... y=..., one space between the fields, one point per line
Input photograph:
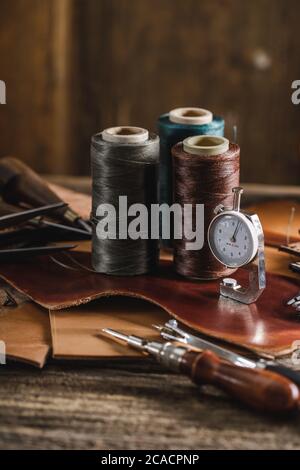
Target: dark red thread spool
x=205 y=169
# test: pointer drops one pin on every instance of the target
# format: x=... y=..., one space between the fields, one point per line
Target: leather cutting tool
x=171 y=331
x=259 y=389
x=17 y=218
x=19 y=184
x=41 y=222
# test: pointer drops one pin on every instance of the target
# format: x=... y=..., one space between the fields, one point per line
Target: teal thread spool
x=174 y=127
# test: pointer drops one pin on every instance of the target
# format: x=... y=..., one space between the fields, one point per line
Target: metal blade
x=10 y=220
x=66 y=228
x=197 y=342
x=231 y=356
x=84 y=225
x=19 y=253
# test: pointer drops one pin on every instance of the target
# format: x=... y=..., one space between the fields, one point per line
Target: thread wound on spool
x=171 y=133
x=208 y=180
x=131 y=170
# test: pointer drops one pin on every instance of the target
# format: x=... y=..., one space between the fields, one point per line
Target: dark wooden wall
x=73 y=67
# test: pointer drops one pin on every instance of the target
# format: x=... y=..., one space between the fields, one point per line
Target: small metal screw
x=219 y=208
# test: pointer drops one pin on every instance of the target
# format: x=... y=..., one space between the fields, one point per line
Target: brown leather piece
x=79 y=202
x=277 y=239
x=77 y=332
x=25 y=329
x=269 y=325
x=274 y=216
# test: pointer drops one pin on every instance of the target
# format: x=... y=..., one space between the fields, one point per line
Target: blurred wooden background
x=73 y=67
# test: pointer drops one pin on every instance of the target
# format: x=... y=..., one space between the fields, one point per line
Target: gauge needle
x=233 y=238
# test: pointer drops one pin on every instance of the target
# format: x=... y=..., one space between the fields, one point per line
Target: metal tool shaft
x=166 y=353
x=15 y=218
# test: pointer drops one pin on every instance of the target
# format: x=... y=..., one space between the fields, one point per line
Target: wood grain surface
x=73 y=67
x=34 y=52
x=122 y=406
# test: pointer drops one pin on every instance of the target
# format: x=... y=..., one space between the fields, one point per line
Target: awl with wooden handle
x=172 y=331
x=259 y=389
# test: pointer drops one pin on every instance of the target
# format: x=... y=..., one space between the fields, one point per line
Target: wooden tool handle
x=260 y=389
x=20 y=184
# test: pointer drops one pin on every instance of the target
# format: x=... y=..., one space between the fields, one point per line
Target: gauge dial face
x=232 y=239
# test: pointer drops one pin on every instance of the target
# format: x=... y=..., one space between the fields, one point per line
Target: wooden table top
x=127 y=405
x=122 y=406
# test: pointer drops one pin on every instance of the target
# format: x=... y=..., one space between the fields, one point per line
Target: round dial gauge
x=232 y=239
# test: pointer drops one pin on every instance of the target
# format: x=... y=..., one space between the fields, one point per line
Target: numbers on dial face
x=231 y=240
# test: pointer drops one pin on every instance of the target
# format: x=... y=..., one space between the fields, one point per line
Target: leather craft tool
x=295 y=302
x=291 y=247
x=259 y=389
x=20 y=185
x=124 y=164
x=295 y=267
x=20 y=217
x=17 y=253
x=237 y=239
x=174 y=127
x=42 y=222
x=27 y=236
x=206 y=168
x=171 y=331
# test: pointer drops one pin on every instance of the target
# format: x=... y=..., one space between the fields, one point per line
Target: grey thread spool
x=124 y=163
